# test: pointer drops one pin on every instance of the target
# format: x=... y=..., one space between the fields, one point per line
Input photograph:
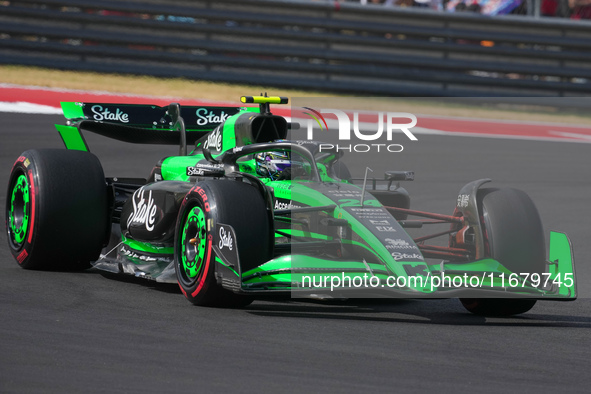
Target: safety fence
x=317 y=45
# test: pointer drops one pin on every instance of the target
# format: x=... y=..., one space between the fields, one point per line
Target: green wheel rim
x=193 y=252
x=18 y=213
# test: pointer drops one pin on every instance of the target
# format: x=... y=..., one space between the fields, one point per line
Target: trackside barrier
x=318 y=45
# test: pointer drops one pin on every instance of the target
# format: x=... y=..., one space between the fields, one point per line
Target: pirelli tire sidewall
x=67 y=210
x=195 y=287
x=234 y=203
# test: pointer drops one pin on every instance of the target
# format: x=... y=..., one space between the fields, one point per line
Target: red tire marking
x=32 y=206
x=19 y=160
x=204 y=276
x=22 y=256
x=201 y=192
x=182 y=290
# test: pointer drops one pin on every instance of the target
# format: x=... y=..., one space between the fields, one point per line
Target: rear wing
x=140 y=123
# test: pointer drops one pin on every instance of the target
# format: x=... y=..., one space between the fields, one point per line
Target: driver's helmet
x=273 y=165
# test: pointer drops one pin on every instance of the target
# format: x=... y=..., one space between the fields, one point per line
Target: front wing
x=300 y=275
x=304 y=276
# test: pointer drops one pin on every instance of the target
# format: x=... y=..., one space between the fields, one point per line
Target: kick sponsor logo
x=214 y=140
x=144 y=209
x=101 y=113
x=194 y=171
x=406 y=256
x=206 y=116
x=226 y=239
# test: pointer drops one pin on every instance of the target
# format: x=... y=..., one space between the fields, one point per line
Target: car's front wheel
x=513 y=236
x=232 y=203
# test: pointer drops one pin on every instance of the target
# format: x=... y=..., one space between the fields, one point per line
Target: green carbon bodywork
x=72 y=110
x=145 y=247
x=72 y=137
x=287 y=272
x=562 y=263
x=490 y=274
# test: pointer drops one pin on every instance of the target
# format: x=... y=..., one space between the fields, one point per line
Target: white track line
x=29 y=108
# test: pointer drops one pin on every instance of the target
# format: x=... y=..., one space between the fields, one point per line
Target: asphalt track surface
x=81 y=332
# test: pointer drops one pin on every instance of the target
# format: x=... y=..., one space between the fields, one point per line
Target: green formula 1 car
x=250 y=214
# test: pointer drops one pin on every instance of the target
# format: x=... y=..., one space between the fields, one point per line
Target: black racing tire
x=237 y=204
x=57 y=209
x=497 y=306
x=514 y=236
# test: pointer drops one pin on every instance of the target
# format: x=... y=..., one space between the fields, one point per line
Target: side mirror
x=399 y=176
x=174 y=111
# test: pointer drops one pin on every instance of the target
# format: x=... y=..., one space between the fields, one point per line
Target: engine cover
x=150 y=213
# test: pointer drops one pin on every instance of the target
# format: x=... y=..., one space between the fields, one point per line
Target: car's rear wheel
x=57 y=212
x=236 y=204
x=514 y=236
